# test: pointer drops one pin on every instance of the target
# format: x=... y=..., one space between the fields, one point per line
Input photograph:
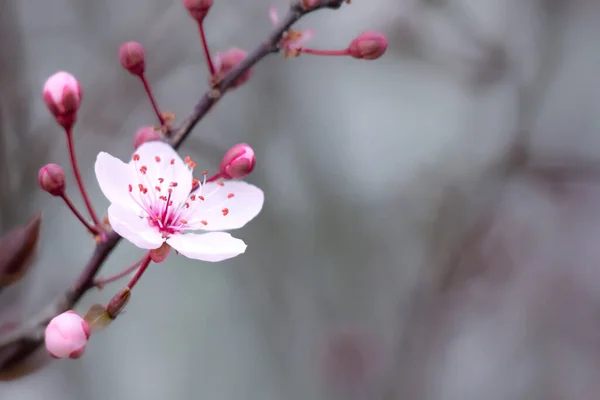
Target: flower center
x=158 y=194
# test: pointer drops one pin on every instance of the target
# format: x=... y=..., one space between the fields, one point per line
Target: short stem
x=84 y=194
x=214 y=178
x=144 y=264
x=317 y=52
x=75 y=211
x=100 y=282
x=209 y=61
x=152 y=100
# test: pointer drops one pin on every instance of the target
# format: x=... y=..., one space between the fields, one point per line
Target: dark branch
x=30 y=336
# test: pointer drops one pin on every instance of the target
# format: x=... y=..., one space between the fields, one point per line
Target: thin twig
x=30 y=335
x=101 y=282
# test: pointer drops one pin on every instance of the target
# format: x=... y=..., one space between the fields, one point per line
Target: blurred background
x=431 y=218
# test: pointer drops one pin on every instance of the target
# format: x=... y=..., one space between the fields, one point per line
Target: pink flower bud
x=118 y=302
x=52 y=179
x=146 y=134
x=67 y=335
x=368 y=45
x=237 y=162
x=62 y=94
x=309 y=4
x=227 y=60
x=198 y=8
x=133 y=58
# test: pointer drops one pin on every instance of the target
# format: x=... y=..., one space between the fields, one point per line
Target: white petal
x=133 y=228
x=244 y=205
x=114 y=178
x=157 y=156
x=213 y=246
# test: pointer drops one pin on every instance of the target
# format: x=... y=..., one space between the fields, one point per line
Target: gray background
x=380 y=181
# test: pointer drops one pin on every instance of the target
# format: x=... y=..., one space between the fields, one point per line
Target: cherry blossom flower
x=292 y=41
x=151 y=203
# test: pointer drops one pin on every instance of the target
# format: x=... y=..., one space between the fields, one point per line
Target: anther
x=143 y=169
x=204 y=222
x=230 y=195
x=225 y=211
x=172 y=161
x=193 y=197
x=220 y=183
x=173 y=184
x=201 y=198
x=183 y=221
x=130 y=188
x=161 y=180
x=136 y=157
x=157 y=158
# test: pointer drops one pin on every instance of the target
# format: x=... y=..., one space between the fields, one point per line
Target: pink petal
x=213 y=246
x=157 y=157
x=226 y=207
x=133 y=228
x=114 y=177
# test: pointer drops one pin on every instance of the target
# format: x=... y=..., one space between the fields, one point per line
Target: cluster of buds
x=369 y=45
x=52 y=179
x=167 y=218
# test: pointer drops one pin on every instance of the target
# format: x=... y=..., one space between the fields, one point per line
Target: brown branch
x=17 y=346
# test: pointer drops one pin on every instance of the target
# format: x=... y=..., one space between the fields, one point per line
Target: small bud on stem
x=62 y=94
x=198 y=9
x=132 y=56
x=238 y=162
x=52 y=179
x=368 y=45
x=67 y=335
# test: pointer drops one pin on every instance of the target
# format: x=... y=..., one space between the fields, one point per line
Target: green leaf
x=97 y=317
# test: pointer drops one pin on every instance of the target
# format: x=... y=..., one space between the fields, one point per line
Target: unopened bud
x=52 y=179
x=67 y=335
x=368 y=45
x=62 y=94
x=159 y=255
x=237 y=162
x=309 y=4
x=133 y=58
x=198 y=8
x=118 y=303
x=227 y=60
x=146 y=134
